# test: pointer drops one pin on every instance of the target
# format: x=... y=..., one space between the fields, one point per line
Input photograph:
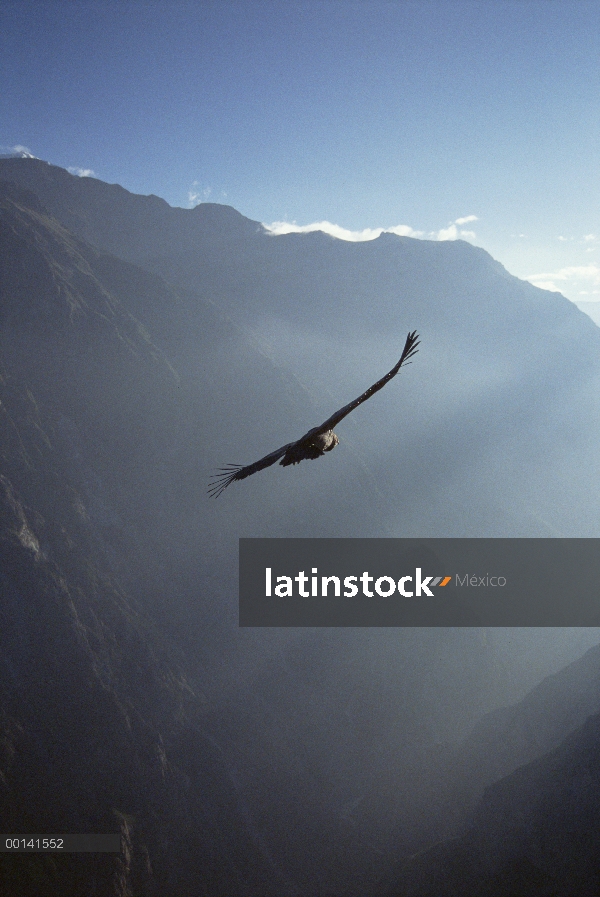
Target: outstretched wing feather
x=410 y=348
x=227 y=475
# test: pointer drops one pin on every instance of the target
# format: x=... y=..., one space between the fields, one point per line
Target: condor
x=317 y=441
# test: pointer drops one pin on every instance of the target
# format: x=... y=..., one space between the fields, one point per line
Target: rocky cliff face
x=100 y=730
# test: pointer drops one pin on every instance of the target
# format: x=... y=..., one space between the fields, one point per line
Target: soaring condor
x=317 y=441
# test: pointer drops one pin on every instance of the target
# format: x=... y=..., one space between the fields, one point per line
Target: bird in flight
x=317 y=441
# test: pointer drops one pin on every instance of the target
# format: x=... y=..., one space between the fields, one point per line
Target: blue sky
x=437 y=118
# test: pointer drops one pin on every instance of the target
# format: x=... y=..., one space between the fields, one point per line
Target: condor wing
x=410 y=348
x=227 y=475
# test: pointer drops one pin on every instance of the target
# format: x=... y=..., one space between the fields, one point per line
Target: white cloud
x=196 y=196
x=580 y=271
x=277 y=228
x=447 y=233
x=588 y=238
x=341 y=233
x=544 y=284
x=82 y=172
x=17 y=150
x=453 y=233
x=402 y=230
x=571 y=277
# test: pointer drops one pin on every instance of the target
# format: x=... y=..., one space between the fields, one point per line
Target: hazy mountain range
x=142 y=346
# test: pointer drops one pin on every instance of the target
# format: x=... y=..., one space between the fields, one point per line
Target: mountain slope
x=100 y=730
x=123 y=391
x=535 y=833
x=447 y=787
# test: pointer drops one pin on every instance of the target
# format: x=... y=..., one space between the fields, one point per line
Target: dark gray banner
x=419 y=582
x=60 y=843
